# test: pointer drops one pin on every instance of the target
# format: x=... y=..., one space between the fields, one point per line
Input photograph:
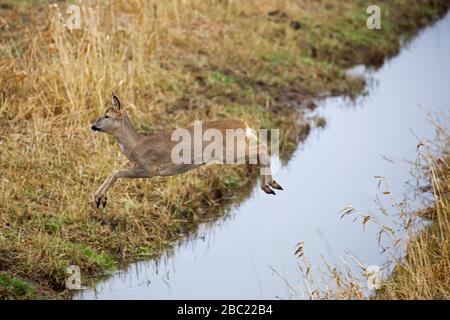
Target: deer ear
x=116 y=102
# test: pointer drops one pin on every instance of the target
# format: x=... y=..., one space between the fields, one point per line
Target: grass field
x=171 y=63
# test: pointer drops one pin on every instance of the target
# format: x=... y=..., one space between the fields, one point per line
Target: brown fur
x=151 y=154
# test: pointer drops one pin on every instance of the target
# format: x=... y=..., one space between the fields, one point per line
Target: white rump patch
x=250 y=133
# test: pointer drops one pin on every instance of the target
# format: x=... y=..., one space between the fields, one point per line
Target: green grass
x=97 y=258
x=222 y=78
x=13 y=288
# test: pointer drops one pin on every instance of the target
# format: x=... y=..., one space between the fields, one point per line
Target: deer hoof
x=275 y=185
x=267 y=190
x=98 y=200
x=104 y=201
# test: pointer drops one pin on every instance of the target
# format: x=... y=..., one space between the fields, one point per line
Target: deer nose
x=94 y=128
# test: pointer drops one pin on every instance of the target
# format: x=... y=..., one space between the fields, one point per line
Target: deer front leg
x=100 y=194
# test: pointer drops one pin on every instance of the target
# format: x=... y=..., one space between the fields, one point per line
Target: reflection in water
x=234 y=257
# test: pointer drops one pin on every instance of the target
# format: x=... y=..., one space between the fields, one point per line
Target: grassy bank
x=425 y=271
x=171 y=63
x=415 y=243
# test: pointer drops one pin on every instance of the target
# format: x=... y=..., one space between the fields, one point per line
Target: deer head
x=113 y=118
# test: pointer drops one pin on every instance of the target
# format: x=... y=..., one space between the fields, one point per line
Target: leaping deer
x=152 y=155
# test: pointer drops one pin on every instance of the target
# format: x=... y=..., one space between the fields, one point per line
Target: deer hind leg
x=266 y=179
x=265 y=176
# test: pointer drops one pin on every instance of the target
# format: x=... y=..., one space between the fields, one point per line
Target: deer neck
x=127 y=136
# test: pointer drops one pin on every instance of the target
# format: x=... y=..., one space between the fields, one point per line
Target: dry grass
x=172 y=62
x=425 y=271
x=418 y=256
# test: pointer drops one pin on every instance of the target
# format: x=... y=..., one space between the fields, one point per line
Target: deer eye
x=106 y=117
